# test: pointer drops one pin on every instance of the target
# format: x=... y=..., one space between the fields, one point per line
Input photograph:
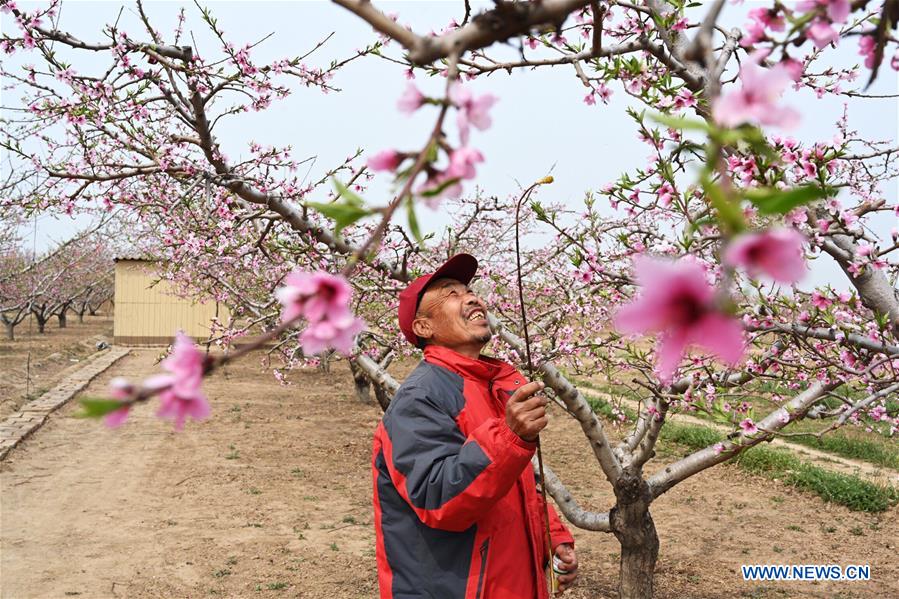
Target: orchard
x=691 y=282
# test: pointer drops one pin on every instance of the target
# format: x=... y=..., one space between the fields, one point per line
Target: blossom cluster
x=180 y=391
x=323 y=300
x=471 y=111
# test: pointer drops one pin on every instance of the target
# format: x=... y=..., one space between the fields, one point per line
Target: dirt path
x=53 y=355
x=271 y=497
x=829 y=461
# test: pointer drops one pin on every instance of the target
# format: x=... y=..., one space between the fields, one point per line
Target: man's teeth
x=476 y=316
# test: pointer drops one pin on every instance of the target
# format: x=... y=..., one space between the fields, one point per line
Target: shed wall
x=151 y=314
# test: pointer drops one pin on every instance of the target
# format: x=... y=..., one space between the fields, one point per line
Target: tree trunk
x=62 y=319
x=638 y=564
x=324 y=360
x=80 y=311
x=382 y=396
x=10 y=331
x=633 y=526
x=40 y=324
x=361 y=382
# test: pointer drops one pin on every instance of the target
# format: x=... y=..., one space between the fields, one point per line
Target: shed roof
x=134 y=255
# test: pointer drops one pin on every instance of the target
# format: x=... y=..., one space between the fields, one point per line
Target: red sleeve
x=558 y=533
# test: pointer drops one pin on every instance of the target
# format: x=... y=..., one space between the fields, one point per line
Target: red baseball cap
x=460 y=267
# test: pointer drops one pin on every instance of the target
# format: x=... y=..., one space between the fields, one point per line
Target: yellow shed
x=147 y=311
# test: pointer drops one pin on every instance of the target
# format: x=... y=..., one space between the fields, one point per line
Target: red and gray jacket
x=457 y=513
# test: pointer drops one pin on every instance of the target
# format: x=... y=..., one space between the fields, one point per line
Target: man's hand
x=565 y=552
x=526 y=413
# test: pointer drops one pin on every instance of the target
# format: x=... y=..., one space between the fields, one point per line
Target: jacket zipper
x=484 y=547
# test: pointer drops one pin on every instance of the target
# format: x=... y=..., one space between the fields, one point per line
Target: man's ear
x=422 y=328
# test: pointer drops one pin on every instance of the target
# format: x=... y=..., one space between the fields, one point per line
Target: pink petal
x=721 y=335
x=158 y=382
x=411 y=100
x=731 y=109
x=784 y=117
x=198 y=408
x=670 y=292
x=117 y=418
x=462 y=122
x=838 y=10
x=480 y=111
x=821 y=33
x=120 y=388
x=385 y=160
x=669 y=351
x=640 y=316
x=459 y=95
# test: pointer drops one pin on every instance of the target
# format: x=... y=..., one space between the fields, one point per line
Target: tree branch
x=872 y=285
x=507 y=20
x=708 y=457
x=573 y=512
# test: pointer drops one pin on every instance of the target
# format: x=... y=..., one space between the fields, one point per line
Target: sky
x=540 y=123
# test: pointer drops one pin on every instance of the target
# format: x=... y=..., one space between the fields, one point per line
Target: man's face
x=451 y=315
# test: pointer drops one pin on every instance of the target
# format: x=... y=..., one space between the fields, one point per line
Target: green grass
x=693 y=436
x=852 y=447
x=853 y=492
x=601 y=406
x=777 y=463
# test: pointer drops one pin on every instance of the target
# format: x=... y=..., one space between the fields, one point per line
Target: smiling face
x=452 y=316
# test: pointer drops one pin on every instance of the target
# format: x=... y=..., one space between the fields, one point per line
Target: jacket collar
x=484 y=368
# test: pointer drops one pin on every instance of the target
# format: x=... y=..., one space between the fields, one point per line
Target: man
x=457 y=513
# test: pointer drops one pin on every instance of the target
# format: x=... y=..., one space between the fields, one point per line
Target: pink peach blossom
x=749 y=427
x=776 y=253
x=462 y=162
x=684 y=99
x=761 y=19
x=822 y=33
x=793 y=67
x=337 y=333
x=866 y=46
x=819 y=301
x=121 y=389
x=472 y=111
x=411 y=100
x=323 y=300
x=604 y=92
x=316 y=296
x=848 y=217
x=837 y=10
x=677 y=302
x=385 y=160
x=434 y=182
x=756 y=100
x=183 y=396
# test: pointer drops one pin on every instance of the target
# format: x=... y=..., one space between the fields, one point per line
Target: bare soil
x=33 y=362
x=272 y=497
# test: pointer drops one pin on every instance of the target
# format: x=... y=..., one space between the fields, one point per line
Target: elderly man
x=457 y=513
